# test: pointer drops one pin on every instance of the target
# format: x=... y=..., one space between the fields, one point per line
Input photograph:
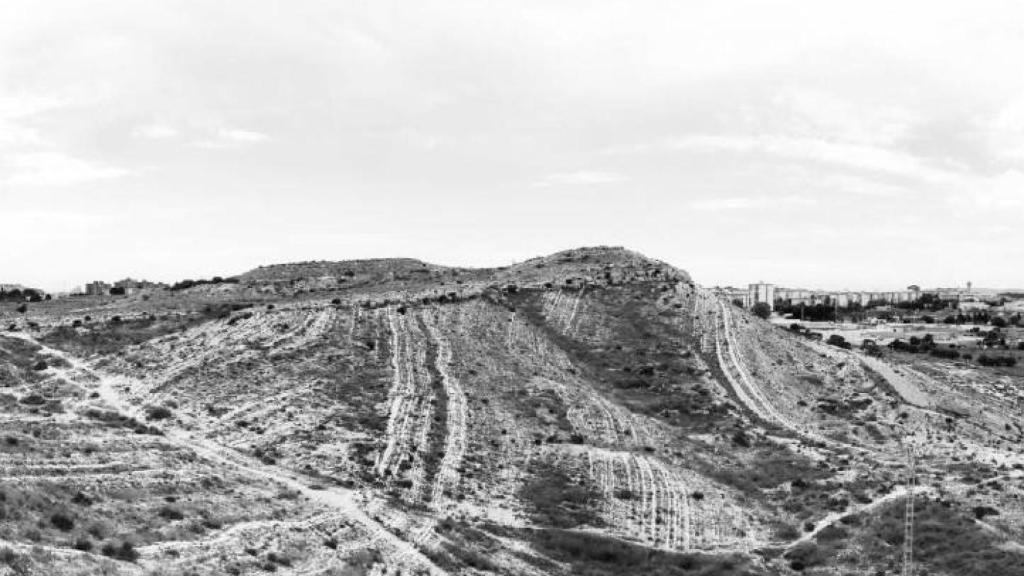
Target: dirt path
x=834 y=517
x=748 y=391
x=342 y=500
x=754 y=398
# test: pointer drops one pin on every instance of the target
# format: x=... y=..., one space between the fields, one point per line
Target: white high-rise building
x=762 y=292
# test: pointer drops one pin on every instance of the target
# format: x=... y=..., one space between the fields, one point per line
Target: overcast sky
x=867 y=146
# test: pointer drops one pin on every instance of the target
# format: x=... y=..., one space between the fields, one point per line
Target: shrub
x=83 y=544
x=838 y=341
x=33 y=400
x=740 y=439
x=981 y=511
x=62 y=522
x=40 y=366
x=806 y=555
x=945 y=353
x=126 y=551
x=1007 y=361
x=762 y=310
x=158 y=413
x=170 y=513
x=8 y=557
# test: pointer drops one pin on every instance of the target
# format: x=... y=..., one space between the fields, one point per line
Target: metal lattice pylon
x=908 y=519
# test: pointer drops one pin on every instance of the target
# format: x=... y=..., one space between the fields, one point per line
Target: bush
x=62 y=522
x=806 y=555
x=158 y=413
x=33 y=400
x=740 y=439
x=1007 y=361
x=126 y=551
x=945 y=353
x=762 y=310
x=170 y=513
x=839 y=342
x=40 y=366
x=981 y=511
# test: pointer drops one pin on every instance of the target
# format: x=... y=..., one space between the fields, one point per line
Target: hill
x=588 y=412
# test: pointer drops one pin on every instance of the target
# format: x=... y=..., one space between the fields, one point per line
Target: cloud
x=846 y=154
x=1006 y=132
x=53 y=169
x=16 y=114
x=156 y=131
x=17 y=106
x=750 y=202
x=818 y=114
x=580 y=178
x=232 y=138
x=725 y=204
x=1002 y=194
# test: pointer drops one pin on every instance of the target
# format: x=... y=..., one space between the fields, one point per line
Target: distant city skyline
x=864 y=145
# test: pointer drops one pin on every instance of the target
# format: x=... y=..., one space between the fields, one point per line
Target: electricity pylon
x=908 y=519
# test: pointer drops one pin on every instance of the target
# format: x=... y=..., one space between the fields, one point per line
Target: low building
x=98 y=288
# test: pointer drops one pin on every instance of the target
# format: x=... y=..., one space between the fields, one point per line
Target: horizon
x=744 y=284
x=807 y=145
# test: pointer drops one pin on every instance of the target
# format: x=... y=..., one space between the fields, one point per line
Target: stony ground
x=589 y=412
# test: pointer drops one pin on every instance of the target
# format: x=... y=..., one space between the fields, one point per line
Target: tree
x=999 y=322
x=762 y=310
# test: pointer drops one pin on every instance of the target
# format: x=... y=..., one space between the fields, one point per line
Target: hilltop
x=589 y=412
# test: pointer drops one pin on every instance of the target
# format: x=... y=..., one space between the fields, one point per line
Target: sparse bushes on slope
x=595 y=555
x=944 y=353
x=186 y=284
x=559 y=501
x=1006 y=361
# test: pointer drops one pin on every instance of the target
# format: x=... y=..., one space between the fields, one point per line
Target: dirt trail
x=754 y=398
x=342 y=500
x=747 y=390
x=834 y=517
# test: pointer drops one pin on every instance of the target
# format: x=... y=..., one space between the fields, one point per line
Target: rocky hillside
x=588 y=412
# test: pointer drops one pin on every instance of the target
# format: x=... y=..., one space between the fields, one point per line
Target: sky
x=861 y=145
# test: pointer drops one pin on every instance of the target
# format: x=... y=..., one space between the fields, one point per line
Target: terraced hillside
x=589 y=412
